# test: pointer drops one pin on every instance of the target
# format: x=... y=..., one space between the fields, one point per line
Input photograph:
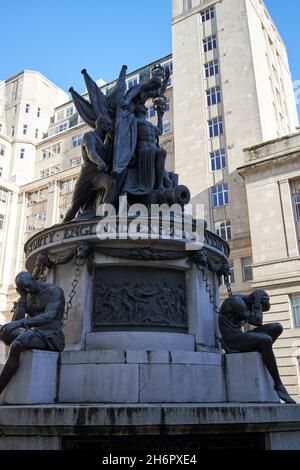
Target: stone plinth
x=99 y=427
x=35 y=380
x=147 y=341
x=248 y=380
x=141 y=377
x=132 y=288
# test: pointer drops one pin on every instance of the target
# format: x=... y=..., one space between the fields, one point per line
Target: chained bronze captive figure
x=240 y=309
x=37 y=322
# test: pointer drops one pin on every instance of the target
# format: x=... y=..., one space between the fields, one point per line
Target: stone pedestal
x=143 y=323
x=248 y=380
x=141 y=377
x=150 y=428
x=35 y=380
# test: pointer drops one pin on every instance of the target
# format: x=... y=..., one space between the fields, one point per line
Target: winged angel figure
x=121 y=154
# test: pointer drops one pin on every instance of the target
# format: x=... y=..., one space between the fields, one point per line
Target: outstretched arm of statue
x=92 y=153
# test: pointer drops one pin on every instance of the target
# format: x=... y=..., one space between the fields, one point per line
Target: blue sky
x=60 y=37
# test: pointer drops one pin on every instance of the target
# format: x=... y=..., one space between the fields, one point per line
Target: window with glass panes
x=213 y=96
x=62 y=127
x=215 y=127
x=211 y=68
x=296 y=198
x=209 y=43
x=2 y=150
x=223 y=229
x=295 y=301
x=132 y=81
x=187 y=5
x=208 y=14
x=247 y=269
x=51 y=151
x=217 y=160
x=75 y=161
x=69 y=111
x=220 y=195
x=76 y=140
x=3 y=195
x=151 y=112
x=1 y=222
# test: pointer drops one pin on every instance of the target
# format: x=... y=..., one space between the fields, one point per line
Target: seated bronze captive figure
x=240 y=309
x=41 y=328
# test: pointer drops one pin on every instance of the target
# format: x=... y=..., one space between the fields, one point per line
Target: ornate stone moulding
x=64 y=238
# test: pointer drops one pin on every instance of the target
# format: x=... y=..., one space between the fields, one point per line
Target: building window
x=22 y=153
x=151 y=112
x=69 y=111
x=220 y=195
x=27 y=107
x=168 y=66
x=1 y=171
x=215 y=127
x=0 y=127
x=2 y=150
x=211 y=68
x=16 y=108
x=295 y=301
x=208 y=14
x=209 y=43
x=231 y=274
x=75 y=161
x=49 y=171
x=1 y=222
x=12 y=131
x=213 y=96
x=37 y=196
x=3 y=195
x=67 y=186
x=60 y=115
x=223 y=229
x=296 y=199
x=36 y=133
x=62 y=127
x=167 y=127
x=38 y=112
x=51 y=151
x=217 y=160
x=187 y=5
x=76 y=140
x=132 y=81
x=25 y=127
x=247 y=269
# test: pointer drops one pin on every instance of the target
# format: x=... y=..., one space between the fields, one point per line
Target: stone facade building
x=230 y=89
x=272 y=175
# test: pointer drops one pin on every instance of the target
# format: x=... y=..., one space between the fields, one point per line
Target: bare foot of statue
x=283 y=395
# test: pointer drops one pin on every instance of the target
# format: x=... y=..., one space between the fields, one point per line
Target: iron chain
x=228 y=286
x=73 y=292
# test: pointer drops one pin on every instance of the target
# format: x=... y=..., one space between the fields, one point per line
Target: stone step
x=140 y=340
x=140 y=357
